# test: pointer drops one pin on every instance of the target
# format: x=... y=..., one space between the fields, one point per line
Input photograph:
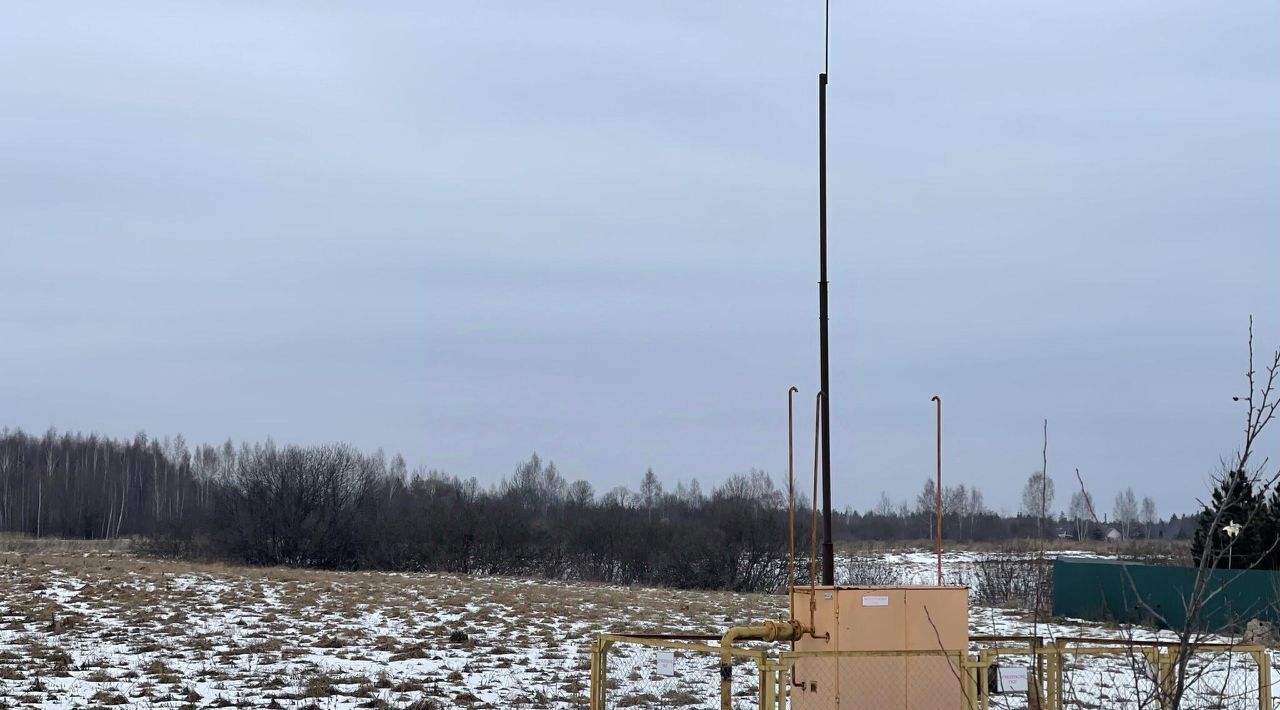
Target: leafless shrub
x=106 y=697
x=1011 y=580
x=870 y=572
x=319 y=686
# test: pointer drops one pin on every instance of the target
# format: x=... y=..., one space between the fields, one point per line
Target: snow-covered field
x=921 y=567
x=92 y=630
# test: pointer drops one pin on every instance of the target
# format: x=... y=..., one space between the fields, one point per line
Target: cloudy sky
x=470 y=231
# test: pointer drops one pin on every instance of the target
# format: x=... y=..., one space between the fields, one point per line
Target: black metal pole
x=828 y=549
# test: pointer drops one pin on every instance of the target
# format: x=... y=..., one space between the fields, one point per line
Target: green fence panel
x=1130 y=592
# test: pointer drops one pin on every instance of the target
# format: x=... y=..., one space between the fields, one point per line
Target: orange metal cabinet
x=876 y=620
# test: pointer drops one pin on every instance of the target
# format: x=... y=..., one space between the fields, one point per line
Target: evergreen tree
x=1234 y=501
x=1269 y=531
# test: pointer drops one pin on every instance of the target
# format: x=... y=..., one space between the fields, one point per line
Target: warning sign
x=666 y=663
x=1012 y=679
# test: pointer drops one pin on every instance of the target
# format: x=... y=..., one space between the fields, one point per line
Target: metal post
x=726 y=685
x=1054 y=678
x=938 y=491
x=967 y=684
x=1172 y=655
x=1171 y=659
x=791 y=502
x=984 y=677
x=768 y=683
x=1046 y=686
x=1264 y=679
x=784 y=673
x=602 y=676
x=1162 y=674
x=1036 y=644
x=828 y=549
x=597 y=686
x=1152 y=657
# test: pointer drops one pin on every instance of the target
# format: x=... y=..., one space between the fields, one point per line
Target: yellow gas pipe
x=771 y=631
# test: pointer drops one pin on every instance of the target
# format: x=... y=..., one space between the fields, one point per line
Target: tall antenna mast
x=828 y=549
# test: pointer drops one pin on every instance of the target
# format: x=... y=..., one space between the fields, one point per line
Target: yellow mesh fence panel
x=1222 y=680
x=1106 y=675
x=867 y=682
x=640 y=676
x=1142 y=678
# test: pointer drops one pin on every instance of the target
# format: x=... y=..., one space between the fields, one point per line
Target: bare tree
x=1125 y=511
x=620 y=496
x=976 y=504
x=650 y=491
x=695 y=492
x=1081 y=505
x=1148 y=515
x=581 y=494
x=885 y=506
x=1037 y=495
x=973 y=507
x=926 y=504
x=954 y=501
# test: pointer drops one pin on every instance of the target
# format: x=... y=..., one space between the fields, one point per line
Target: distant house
x=1114 y=535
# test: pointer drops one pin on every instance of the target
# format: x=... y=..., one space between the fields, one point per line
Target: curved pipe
x=813 y=527
x=768 y=631
x=791 y=500
x=938 y=490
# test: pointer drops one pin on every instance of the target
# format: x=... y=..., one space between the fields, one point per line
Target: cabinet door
x=872 y=620
x=814 y=681
x=937 y=619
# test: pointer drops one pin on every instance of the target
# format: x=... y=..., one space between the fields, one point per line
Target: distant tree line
x=330 y=506
x=79 y=486
x=965 y=517
x=335 y=507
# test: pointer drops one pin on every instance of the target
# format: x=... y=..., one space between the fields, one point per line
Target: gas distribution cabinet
x=881 y=623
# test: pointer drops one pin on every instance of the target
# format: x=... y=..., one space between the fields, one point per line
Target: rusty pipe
x=791 y=501
x=771 y=631
x=938 y=492
x=813 y=527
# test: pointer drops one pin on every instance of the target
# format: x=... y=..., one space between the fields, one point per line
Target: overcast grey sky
x=469 y=231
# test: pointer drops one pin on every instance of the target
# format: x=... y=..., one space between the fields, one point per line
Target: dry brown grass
x=107 y=697
x=26 y=544
x=282 y=636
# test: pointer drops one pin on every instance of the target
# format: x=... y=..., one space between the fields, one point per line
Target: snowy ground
x=921 y=567
x=91 y=630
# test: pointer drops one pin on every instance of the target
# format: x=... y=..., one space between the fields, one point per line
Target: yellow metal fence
x=1000 y=673
x=1126 y=674
x=637 y=671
